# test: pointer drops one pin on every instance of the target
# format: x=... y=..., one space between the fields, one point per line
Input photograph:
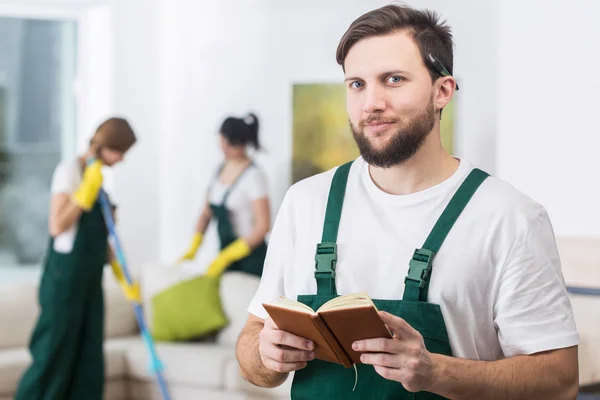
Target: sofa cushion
x=188 y=310
x=194 y=364
x=580 y=260
x=20 y=310
x=18 y=313
x=119 y=315
x=154 y=279
x=234 y=382
x=587 y=318
x=589 y=359
x=237 y=291
x=115 y=355
x=116 y=389
x=13 y=363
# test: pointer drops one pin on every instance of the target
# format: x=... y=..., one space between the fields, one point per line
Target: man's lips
x=378 y=126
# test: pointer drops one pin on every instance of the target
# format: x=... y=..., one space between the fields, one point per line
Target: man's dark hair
x=431 y=35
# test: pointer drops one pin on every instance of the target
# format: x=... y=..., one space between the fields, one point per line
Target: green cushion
x=188 y=310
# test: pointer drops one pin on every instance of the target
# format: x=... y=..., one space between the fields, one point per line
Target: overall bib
x=325 y=380
x=253 y=264
x=67 y=341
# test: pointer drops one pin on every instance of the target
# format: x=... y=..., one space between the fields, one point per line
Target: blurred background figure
x=238 y=202
x=67 y=342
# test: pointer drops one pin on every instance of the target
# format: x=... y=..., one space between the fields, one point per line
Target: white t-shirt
x=66 y=179
x=497 y=277
x=251 y=186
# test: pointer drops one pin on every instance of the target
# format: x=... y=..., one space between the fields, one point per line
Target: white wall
x=548 y=84
x=119 y=71
x=136 y=95
x=176 y=69
x=222 y=58
x=122 y=61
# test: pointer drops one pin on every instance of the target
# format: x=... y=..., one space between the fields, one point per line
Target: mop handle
x=120 y=255
x=112 y=235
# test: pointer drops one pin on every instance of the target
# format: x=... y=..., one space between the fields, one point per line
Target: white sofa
x=581 y=267
x=209 y=370
x=192 y=370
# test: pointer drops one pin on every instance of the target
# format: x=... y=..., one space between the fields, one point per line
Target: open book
x=333 y=327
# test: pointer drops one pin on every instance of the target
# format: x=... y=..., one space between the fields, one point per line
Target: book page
x=352 y=300
x=292 y=305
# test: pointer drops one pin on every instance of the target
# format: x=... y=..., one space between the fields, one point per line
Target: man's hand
x=402 y=359
x=282 y=351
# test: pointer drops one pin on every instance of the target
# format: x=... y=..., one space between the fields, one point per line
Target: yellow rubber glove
x=85 y=196
x=132 y=292
x=230 y=254
x=194 y=246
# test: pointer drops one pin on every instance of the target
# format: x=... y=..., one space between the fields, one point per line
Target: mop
x=156 y=366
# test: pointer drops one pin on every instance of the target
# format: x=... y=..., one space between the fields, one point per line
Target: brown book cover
x=332 y=330
x=311 y=327
x=351 y=324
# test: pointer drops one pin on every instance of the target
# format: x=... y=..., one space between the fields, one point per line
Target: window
x=37 y=129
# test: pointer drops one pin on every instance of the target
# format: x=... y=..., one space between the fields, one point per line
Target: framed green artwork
x=321 y=135
x=447 y=126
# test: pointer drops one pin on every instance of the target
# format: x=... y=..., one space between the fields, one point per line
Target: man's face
x=389 y=98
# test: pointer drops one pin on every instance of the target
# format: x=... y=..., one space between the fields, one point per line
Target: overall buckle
x=326 y=259
x=420 y=267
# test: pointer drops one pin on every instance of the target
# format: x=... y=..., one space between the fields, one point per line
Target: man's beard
x=403 y=144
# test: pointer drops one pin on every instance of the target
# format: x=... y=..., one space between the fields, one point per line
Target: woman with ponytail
x=239 y=203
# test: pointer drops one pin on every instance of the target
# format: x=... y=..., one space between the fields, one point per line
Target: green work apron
x=67 y=342
x=325 y=380
x=253 y=264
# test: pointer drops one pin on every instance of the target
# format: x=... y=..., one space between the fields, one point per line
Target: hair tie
x=249 y=120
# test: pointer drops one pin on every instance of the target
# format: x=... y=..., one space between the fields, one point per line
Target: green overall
x=324 y=380
x=253 y=264
x=67 y=342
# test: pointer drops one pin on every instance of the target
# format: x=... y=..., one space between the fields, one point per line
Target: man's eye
x=356 y=85
x=395 y=79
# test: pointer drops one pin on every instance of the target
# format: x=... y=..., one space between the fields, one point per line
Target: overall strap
x=326 y=256
x=237 y=179
x=416 y=283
